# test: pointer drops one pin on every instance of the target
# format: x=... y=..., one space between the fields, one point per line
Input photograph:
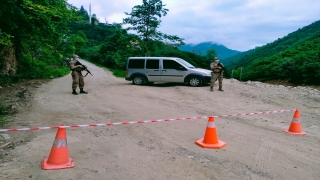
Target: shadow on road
x=166 y=84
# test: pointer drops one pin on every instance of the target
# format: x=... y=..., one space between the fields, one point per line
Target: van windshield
x=185 y=63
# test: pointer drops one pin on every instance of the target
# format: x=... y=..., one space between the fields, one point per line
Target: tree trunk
x=8 y=61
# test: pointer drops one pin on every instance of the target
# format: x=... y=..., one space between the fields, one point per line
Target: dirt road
x=257 y=148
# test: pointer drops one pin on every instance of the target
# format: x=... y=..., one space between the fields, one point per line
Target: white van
x=141 y=70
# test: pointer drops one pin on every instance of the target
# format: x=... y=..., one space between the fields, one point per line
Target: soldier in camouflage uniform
x=217 y=73
x=77 y=78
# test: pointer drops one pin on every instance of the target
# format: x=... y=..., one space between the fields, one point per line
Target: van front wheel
x=138 y=80
x=195 y=81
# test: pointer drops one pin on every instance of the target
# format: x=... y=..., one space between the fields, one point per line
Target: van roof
x=154 y=58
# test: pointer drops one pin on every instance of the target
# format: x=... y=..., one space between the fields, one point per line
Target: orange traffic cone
x=295 y=126
x=210 y=139
x=59 y=157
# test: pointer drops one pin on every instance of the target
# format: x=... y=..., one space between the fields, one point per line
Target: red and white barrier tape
x=141 y=121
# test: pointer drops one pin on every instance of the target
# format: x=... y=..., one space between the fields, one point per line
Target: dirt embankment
x=257 y=148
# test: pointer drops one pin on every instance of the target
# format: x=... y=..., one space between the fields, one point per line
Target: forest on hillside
x=295 y=58
x=41 y=34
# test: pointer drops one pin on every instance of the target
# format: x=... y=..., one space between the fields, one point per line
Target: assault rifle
x=84 y=68
x=223 y=68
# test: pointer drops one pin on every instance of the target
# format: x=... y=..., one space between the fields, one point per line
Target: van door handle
x=164 y=70
x=156 y=70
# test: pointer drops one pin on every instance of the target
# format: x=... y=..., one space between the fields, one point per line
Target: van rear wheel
x=195 y=81
x=138 y=80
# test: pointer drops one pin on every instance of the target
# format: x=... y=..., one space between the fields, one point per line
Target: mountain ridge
x=201 y=49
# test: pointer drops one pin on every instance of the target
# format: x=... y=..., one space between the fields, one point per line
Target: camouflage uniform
x=216 y=74
x=77 y=78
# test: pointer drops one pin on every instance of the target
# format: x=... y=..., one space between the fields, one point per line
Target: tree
x=35 y=30
x=145 y=20
x=211 y=53
x=117 y=48
x=94 y=19
x=83 y=11
x=5 y=39
x=84 y=14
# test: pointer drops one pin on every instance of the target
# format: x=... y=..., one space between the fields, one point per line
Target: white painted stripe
x=211 y=125
x=296 y=120
x=23 y=129
x=42 y=128
x=59 y=143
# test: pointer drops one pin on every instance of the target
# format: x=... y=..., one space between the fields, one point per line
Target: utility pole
x=90 y=14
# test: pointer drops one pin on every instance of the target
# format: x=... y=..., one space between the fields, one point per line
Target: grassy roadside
x=118 y=73
x=115 y=72
x=4 y=110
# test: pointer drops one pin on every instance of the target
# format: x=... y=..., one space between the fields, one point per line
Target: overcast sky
x=237 y=24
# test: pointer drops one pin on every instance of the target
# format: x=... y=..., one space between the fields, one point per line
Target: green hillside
x=230 y=62
x=295 y=57
x=281 y=44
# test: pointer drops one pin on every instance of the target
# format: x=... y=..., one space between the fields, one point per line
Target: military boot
x=220 y=86
x=82 y=91
x=74 y=92
x=211 y=88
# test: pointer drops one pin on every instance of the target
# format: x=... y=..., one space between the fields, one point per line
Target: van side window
x=152 y=64
x=170 y=64
x=136 y=64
